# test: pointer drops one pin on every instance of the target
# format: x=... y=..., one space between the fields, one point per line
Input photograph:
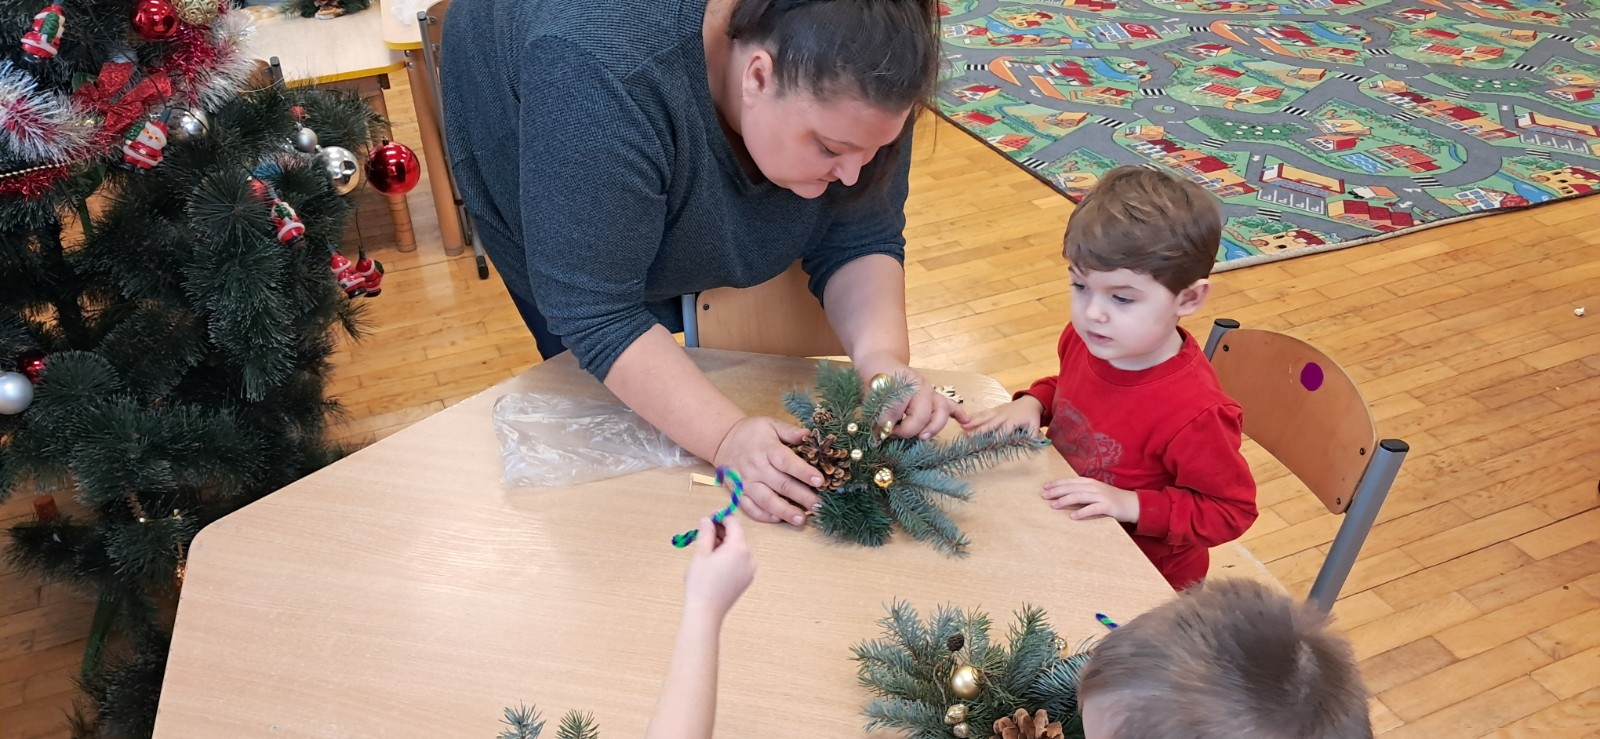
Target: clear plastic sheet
x=557 y=441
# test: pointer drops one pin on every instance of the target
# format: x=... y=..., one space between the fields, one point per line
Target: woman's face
x=803 y=143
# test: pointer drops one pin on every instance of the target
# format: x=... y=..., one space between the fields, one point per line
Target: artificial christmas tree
x=167 y=297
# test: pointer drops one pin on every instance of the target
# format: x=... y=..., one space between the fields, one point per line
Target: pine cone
x=818 y=451
x=1022 y=726
x=821 y=416
x=956 y=642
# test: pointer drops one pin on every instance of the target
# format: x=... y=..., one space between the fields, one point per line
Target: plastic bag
x=556 y=441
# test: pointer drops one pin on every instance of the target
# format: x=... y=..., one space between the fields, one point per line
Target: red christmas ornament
x=31 y=363
x=142 y=144
x=45 y=38
x=155 y=20
x=371 y=275
x=44 y=508
x=393 y=168
x=290 y=229
x=350 y=281
x=298 y=113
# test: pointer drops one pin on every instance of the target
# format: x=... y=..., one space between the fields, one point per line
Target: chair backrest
x=779 y=316
x=1300 y=406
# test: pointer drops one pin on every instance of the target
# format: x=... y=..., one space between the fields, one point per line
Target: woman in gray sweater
x=617 y=154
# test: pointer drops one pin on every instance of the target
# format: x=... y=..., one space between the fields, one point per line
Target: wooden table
x=347 y=52
x=402 y=592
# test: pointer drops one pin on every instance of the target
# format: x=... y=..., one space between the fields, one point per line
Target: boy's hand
x=1097 y=499
x=721 y=569
x=1024 y=412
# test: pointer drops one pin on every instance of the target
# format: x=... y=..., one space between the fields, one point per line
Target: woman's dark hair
x=883 y=52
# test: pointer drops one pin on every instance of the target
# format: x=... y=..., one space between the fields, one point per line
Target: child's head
x=1229 y=658
x=1140 y=246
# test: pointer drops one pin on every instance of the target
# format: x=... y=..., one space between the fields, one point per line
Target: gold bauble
x=955 y=714
x=852 y=427
x=960 y=730
x=196 y=12
x=883 y=478
x=855 y=455
x=880 y=382
x=887 y=431
x=964 y=682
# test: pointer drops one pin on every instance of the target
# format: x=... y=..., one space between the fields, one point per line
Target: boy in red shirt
x=1136 y=408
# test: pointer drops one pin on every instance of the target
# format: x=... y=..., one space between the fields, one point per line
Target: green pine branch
x=577 y=725
x=924 y=520
x=524 y=722
x=972 y=452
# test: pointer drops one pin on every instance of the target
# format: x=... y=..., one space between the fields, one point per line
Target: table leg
x=405 y=238
x=444 y=201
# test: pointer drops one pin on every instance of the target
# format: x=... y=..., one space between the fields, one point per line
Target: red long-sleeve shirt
x=1168 y=433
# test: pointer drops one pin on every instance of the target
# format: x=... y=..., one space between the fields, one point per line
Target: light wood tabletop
x=400 y=29
x=403 y=592
x=350 y=47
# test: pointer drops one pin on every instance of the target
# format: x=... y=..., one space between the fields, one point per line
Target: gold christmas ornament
x=964 y=682
x=1022 y=726
x=855 y=455
x=852 y=428
x=880 y=382
x=955 y=714
x=884 y=478
x=196 y=12
x=887 y=431
x=961 y=730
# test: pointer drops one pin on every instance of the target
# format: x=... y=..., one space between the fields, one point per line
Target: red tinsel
x=128 y=107
x=192 y=58
x=32 y=183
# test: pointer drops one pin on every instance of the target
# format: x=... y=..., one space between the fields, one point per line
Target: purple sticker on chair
x=1311 y=376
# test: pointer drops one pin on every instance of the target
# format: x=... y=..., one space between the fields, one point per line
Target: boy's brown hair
x=1229 y=658
x=1148 y=222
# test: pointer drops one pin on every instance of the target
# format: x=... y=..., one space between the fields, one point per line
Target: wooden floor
x=1475 y=608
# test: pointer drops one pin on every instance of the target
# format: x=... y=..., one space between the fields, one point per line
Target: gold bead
x=883 y=478
x=955 y=714
x=852 y=428
x=960 y=730
x=887 y=431
x=964 y=682
x=855 y=455
x=880 y=382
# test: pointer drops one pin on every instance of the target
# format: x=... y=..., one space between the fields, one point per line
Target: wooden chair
x=431 y=24
x=779 y=316
x=1303 y=409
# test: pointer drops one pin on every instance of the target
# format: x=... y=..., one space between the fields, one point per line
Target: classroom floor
x=1475 y=608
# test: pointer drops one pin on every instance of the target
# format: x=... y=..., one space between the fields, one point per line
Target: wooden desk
x=403 y=593
x=346 y=52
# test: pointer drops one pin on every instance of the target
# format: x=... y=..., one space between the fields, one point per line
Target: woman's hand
x=924 y=414
x=778 y=486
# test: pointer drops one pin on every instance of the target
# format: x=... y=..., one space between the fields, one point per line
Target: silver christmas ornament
x=305 y=140
x=16 y=393
x=343 y=169
x=185 y=125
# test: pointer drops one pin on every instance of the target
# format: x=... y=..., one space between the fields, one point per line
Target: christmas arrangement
x=944 y=677
x=170 y=291
x=873 y=480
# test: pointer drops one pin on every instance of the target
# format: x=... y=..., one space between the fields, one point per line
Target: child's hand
x=721 y=569
x=1097 y=499
x=1024 y=412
